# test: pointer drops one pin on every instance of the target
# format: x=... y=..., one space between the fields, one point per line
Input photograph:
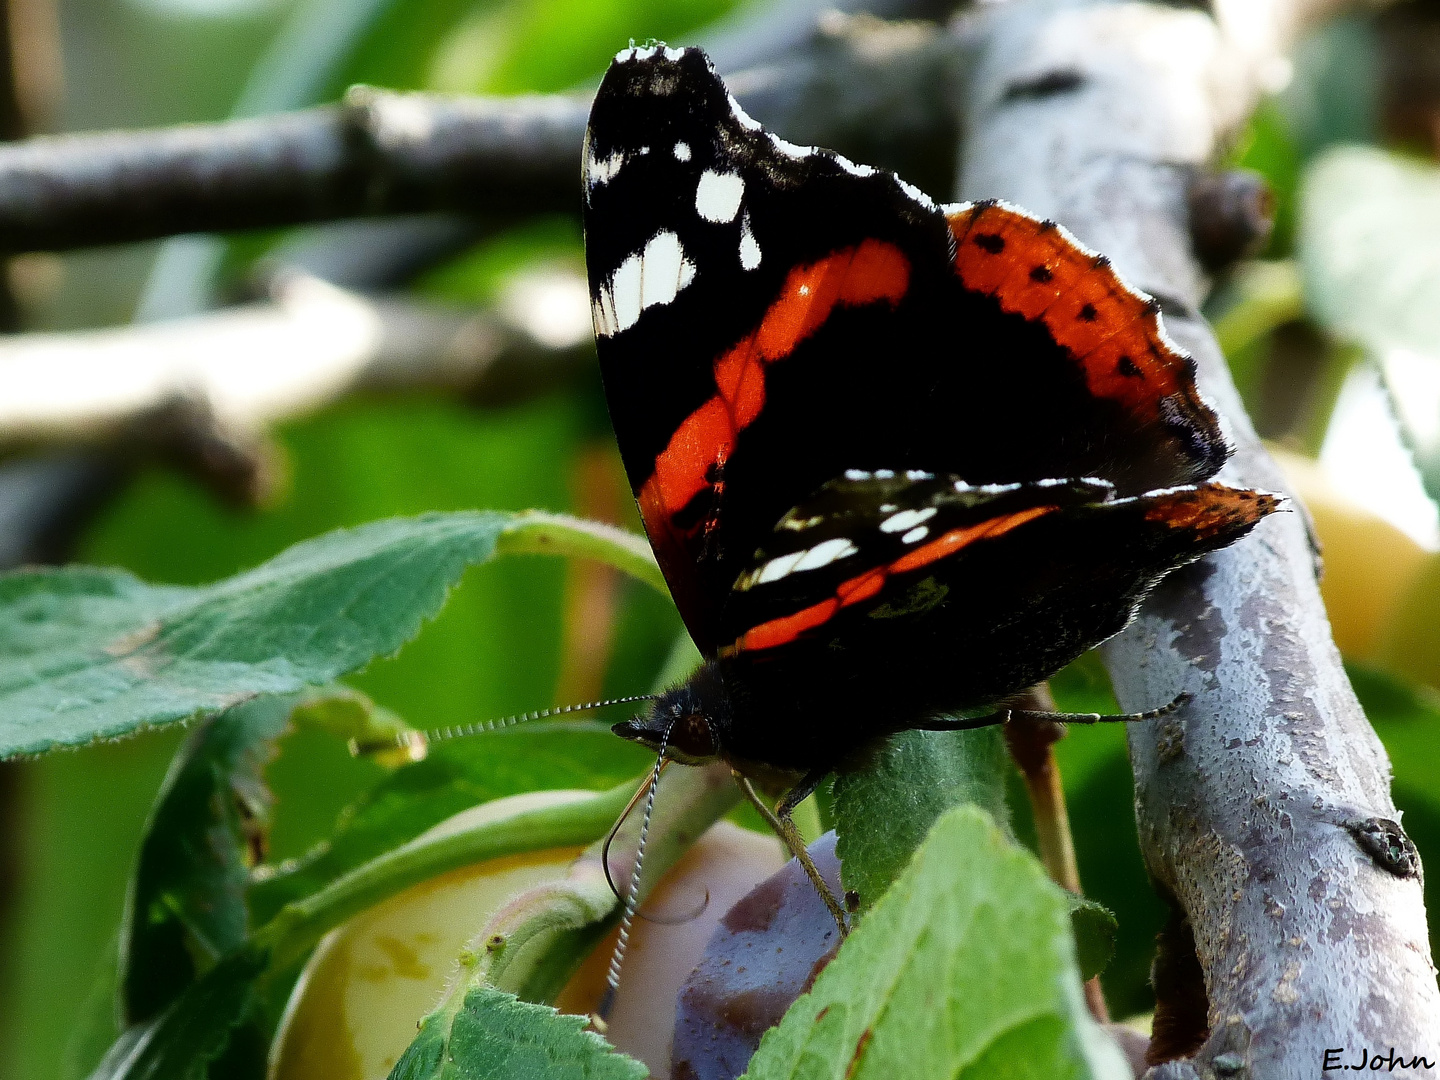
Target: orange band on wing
x=956 y=539
x=872 y=272
x=787 y=628
x=1211 y=510
x=1033 y=269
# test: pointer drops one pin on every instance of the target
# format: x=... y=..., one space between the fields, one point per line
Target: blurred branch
x=389 y=153
x=377 y=153
x=204 y=390
x=1264 y=807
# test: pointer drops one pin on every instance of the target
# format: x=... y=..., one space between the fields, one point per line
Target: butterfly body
x=896 y=460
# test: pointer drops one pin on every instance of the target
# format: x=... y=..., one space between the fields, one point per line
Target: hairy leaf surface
x=884 y=810
x=91 y=654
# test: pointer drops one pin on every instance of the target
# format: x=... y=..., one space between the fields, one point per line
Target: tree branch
x=387 y=153
x=1263 y=805
x=205 y=390
x=377 y=153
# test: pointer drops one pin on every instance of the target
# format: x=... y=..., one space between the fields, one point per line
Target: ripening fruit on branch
x=1371 y=567
x=368 y=984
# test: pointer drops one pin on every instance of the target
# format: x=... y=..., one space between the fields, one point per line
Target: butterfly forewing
x=768 y=316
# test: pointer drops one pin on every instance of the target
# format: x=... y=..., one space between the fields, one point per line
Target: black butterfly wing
x=768 y=315
x=888 y=598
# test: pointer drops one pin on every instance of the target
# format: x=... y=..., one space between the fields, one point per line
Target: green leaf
x=1370 y=248
x=1370 y=252
x=193 y=1031
x=490 y=1035
x=884 y=810
x=186 y=904
x=197 y=1026
x=559 y=754
x=347 y=715
x=1095 y=929
x=88 y=654
x=965 y=969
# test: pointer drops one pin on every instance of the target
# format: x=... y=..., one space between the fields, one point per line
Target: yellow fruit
x=363 y=992
x=369 y=982
x=1371 y=567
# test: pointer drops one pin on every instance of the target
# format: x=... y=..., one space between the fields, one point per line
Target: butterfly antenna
x=632 y=894
x=615 y=831
x=413 y=739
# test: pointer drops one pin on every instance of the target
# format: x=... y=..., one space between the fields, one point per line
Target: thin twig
x=1032 y=747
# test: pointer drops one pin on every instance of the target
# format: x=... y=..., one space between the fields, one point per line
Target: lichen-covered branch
x=1264 y=807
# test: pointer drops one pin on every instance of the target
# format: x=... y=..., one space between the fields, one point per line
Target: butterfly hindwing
x=768 y=315
x=905 y=595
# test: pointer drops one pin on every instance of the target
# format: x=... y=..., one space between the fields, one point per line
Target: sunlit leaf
x=89 y=653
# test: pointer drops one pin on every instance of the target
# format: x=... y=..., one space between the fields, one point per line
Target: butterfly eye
x=694 y=737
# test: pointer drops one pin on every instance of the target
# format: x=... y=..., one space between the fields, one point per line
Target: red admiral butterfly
x=896 y=460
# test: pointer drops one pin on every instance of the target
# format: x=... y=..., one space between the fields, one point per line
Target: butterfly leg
x=781 y=821
x=1010 y=716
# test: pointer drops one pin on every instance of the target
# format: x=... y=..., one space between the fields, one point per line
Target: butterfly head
x=688 y=719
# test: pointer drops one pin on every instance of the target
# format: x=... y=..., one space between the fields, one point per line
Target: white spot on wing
x=602 y=170
x=673 y=54
x=644 y=279
x=826 y=553
x=624 y=291
x=660 y=269
x=718 y=195
x=917 y=533
x=801 y=524
x=682 y=151
x=853 y=169
x=602 y=313
x=906 y=519
x=918 y=474
x=776 y=569
x=749 y=249
x=884 y=474
x=856 y=474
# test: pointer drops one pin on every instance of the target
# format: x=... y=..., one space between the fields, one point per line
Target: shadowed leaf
x=884 y=809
